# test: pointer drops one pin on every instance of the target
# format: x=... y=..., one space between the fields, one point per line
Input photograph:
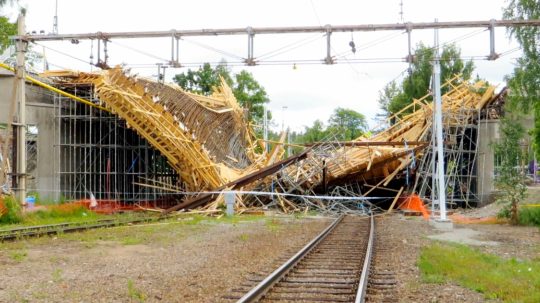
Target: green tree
x=347 y=124
x=524 y=83
x=6 y=29
x=417 y=83
x=388 y=93
x=249 y=93
x=510 y=180
x=314 y=133
x=203 y=80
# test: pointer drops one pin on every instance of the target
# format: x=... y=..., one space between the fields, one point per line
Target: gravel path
x=156 y=263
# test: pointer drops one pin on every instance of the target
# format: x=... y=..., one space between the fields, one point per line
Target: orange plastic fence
x=3 y=208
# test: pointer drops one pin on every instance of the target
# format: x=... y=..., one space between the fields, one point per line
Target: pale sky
x=310 y=91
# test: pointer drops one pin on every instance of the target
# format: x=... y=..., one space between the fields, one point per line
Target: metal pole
x=265 y=129
x=21 y=123
x=439 y=133
x=289 y=152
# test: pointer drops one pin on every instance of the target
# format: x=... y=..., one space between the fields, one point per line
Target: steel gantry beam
x=281 y=30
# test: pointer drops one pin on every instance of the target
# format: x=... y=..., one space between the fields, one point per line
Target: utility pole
x=438 y=129
x=55 y=20
x=22 y=44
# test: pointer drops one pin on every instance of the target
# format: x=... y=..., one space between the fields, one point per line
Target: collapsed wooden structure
x=209 y=143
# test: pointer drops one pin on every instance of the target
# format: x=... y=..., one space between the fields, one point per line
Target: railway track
x=333 y=267
x=51 y=229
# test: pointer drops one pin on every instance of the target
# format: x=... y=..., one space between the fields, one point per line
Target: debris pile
x=210 y=144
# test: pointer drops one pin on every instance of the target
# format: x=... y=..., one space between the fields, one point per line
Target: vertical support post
x=492 y=54
x=289 y=151
x=410 y=57
x=439 y=130
x=175 y=50
x=325 y=188
x=55 y=20
x=229 y=202
x=328 y=59
x=250 y=61
x=265 y=130
x=21 y=123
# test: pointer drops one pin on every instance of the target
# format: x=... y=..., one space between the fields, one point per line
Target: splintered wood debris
x=210 y=144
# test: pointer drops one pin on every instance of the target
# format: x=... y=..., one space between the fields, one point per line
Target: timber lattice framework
x=208 y=141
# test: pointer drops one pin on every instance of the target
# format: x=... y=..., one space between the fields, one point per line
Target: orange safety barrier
x=3 y=208
x=460 y=219
x=414 y=203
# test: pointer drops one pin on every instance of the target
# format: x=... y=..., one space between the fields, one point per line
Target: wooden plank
x=395 y=200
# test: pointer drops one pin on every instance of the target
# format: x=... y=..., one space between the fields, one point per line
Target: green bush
x=14 y=211
x=529 y=216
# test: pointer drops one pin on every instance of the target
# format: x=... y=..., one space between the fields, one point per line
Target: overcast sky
x=308 y=91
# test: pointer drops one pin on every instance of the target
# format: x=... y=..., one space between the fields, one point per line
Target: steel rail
x=260 y=289
x=278 y=30
x=51 y=229
x=364 y=277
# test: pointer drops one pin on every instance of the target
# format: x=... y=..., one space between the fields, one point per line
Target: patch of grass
x=18 y=255
x=529 y=216
x=131 y=240
x=243 y=237
x=273 y=225
x=10 y=210
x=134 y=293
x=57 y=275
x=507 y=280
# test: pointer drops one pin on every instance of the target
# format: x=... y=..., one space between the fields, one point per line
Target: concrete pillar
x=229 y=202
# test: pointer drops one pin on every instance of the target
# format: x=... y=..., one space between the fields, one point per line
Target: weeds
x=507 y=280
x=243 y=237
x=10 y=211
x=529 y=216
x=18 y=255
x=135 y=293
x=57 y=275
x=273 y=225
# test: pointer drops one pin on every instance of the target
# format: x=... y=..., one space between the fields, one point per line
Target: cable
x=300 y=43
x=213 y=49
x=62 y=53
x=139 y=51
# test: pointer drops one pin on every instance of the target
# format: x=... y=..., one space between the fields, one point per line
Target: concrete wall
x=39 y=112
x=488 y=132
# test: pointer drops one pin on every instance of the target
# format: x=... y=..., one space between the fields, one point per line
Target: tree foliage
x=248 y=92
x=510 y=180
x=347 y=124
x=344 y=124
x=6 y=29
x=524 y=83
x=416 y=84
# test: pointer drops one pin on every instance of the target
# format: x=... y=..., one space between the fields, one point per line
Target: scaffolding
x=98 y=155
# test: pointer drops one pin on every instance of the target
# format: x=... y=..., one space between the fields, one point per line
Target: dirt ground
x=161 y=263
x=410 y=234
x=185 y=261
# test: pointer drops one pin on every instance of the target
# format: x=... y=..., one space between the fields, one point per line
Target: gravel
x=203 y=262
x=192 y=263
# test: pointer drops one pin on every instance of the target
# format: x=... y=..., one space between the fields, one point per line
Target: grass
x=18 y=255
x=134 y=293
x=57 y=275
x=10 y=210
x=497 y=278
x=529 y=216
x=273 y=225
